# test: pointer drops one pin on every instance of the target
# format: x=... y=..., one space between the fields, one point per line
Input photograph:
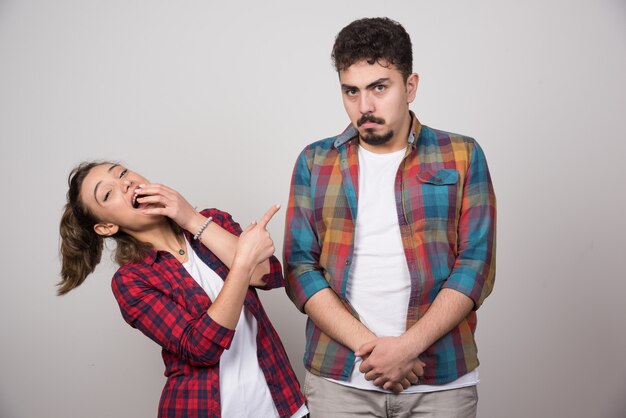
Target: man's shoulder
x=439 y=145
x=322 y=145
x=432 y=136
x=331 y=143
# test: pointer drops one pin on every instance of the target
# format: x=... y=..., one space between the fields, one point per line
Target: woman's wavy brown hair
x=81 y=247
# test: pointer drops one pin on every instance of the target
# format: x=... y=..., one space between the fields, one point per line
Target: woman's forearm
x=226 y=308
x=223 y=244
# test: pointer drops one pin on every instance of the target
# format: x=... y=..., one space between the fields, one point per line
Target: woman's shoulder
x=129 y=271
x=216 y=214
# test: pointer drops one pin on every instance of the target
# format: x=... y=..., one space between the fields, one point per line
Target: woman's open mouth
x=135 y=201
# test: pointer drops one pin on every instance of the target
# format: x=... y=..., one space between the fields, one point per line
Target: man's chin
x=376 y=139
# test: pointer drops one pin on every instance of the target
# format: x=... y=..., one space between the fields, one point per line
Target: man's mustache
x=369 y=118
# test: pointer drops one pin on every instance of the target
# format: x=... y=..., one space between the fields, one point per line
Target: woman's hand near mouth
x=166 y=201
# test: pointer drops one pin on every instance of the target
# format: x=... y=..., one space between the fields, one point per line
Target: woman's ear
x=106 y=229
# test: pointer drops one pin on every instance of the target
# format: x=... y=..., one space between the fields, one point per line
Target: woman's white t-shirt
x=243 y=389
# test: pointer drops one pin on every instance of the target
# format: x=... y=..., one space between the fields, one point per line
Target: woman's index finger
x=268 y=215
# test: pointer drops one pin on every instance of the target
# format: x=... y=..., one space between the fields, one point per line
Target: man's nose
x=366 y=104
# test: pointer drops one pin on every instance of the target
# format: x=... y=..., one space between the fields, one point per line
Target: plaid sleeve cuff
x=307 y=284
x=212 y=333
x=274 y=279
x=466 y=281
x=223 y=219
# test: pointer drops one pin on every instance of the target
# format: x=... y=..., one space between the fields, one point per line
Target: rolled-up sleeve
x=474 y=270
x=301 y=247
x=274 y=279
x=199 y=341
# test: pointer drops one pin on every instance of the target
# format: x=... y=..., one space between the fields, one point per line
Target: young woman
x=183 y=279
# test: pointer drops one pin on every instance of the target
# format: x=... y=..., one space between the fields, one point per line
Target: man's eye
x=123 y=173
x=379 y=88
x=106 y=196
x=350 y=93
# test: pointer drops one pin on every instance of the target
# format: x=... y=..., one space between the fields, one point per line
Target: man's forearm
x=331 y=316
x=448 y=309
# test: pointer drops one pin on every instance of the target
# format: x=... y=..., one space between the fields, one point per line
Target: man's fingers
x=365 y=367
x=394 y=387
x=365 y=349
x=418 y=369
x=397 y=388
x=413 y=378
x=268 y=215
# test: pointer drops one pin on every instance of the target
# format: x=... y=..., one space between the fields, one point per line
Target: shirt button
x=348 y=262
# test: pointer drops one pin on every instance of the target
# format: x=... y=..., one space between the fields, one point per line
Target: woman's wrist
x=244 y=265
x=194 y=225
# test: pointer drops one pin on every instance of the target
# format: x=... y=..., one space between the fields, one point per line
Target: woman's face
x=108 y=192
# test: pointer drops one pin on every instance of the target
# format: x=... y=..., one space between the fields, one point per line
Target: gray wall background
x=217 y=99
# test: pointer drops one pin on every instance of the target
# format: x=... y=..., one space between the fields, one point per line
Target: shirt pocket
x=438 y=194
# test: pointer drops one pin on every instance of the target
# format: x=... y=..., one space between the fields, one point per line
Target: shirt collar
x=150 y=256
x=351 y=133
x=416 y=129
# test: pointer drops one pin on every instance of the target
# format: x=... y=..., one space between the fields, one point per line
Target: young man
x=389 y=245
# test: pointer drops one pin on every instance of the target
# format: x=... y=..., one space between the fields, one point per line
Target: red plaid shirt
x=158 y=297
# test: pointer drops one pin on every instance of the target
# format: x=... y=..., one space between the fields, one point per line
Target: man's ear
x=411 y=86
x=106 y=229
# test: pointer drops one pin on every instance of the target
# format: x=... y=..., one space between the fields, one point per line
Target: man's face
x=377 y=99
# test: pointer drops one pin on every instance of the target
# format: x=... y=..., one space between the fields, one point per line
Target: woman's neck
x=164 y=238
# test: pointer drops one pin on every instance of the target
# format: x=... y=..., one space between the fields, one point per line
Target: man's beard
x=371 y=138
x=374 y=139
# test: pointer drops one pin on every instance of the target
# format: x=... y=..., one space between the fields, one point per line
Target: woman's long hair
x=81 y=247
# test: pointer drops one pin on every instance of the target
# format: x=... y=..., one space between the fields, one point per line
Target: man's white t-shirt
x=379 y=283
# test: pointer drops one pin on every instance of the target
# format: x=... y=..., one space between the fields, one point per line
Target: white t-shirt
x=243 y=389
x=379 y=283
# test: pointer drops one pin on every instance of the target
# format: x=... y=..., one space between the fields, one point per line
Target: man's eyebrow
x=373 y=84
x=95 y=190
x=377 y=82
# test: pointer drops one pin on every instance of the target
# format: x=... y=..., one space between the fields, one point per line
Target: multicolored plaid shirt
x=446 y=211
x=158 y=297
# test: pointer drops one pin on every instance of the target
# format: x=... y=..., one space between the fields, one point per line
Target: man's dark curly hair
x=377 y=39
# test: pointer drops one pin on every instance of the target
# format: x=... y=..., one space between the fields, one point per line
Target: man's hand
x=390 y=363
